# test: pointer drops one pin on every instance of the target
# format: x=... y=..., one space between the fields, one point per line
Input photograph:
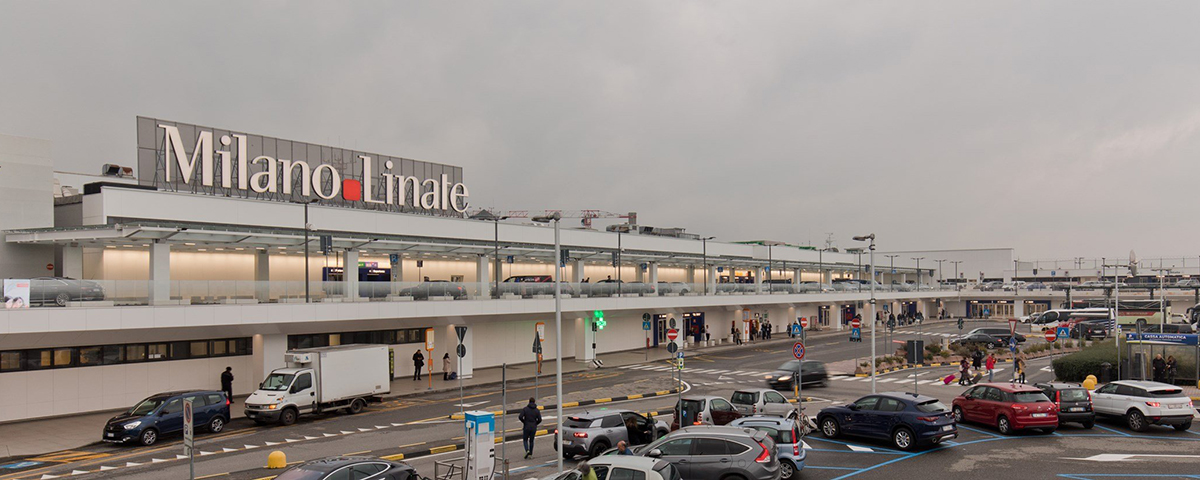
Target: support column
x=835 y=316
x=482 y=284
x=160 y=272
x=654 y=278
x=796 y=273
x=690 y=276
x=71 y=264
x=467 y=369
x=584 y=337
x=711 y=280
x=350 y=274
x=577 y=271
x=268 y=354
x=397 y=276
x=639 y=275
x=758 y=279
x=262 y=276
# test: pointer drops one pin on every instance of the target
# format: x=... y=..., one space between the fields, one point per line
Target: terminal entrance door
x=848 y=312
x=823 y=315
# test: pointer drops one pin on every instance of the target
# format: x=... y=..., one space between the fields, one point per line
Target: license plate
x=1175 y=406
x=1039 y=415
x=947 y=428
x=1075 y=409
x=111 y=435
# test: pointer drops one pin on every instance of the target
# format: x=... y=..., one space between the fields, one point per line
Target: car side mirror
x=260 y=384
x=852 y=407
x=655 y=453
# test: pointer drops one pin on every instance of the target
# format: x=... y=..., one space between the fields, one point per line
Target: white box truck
x=320 y=380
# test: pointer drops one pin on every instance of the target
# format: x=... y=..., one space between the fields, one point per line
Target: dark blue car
x=906 y=419
x=162 y=414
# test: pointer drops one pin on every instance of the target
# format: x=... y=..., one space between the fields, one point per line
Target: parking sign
x=188 y=427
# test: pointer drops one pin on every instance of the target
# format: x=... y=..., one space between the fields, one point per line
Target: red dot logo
x=352 y=190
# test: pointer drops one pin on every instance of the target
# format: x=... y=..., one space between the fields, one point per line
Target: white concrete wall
x=42 y=393
x=26 y=192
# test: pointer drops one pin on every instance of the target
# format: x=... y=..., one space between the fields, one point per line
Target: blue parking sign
x=645 y=325
x=1063 y=332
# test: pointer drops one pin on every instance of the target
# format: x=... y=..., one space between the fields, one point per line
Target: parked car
x=1188 y=282
x=814 y=287
x=628 y=467
x=704 y=410
x=761 y=401
x=1142 y=404
x=1008 y=407
x=1093 y=328
x=435 y=288
x=60 y=290
x=1073 y=401
x=990 y=286
x=1184 y=328
x=350 y=467
x=906 y=419
x=161 y=414
x=717 y=453
x=527 y=285
x=1000 y=333
x=678 y=288
x=592 y=432
x=609 y=287
x=979 y=339
x=777 y=285
x=814 y=374
x=788 y=444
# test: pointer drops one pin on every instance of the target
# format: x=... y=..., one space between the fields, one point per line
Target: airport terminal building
x=227 y=248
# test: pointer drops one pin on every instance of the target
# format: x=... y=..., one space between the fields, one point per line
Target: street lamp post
x=941 y=277
x=308 y=228
x=918 y=259
x=556 y=218
x=871 y=247
x=892 y=265
x=956 y=284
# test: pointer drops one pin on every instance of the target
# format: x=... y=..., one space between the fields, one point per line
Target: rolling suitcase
x=976 y=378
x=948 y=379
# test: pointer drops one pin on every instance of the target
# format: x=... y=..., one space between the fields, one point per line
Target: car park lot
x=421 y=430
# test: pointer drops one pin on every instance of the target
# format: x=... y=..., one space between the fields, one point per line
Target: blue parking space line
x=806 y=467
x=1114 y=431
x=950 y=443
x=1089 y=476
x=849 y=451
x=872 y=447
x=917 y=454
x=976 y=430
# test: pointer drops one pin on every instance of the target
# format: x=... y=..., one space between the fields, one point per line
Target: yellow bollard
x=276 y=460
x=1089 y=382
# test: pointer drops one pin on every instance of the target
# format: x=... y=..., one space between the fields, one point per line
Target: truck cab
x=290 y=390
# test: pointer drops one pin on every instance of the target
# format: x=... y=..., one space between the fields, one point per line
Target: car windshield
x=146 y=406
x=301 y=474
x=779 y=436
x=1073 y=395
x=277 y=381
x=668 y=472
x=744 y=398
x=576 y=422
x=1029 y=397
x=932 y=406
x=790 y=366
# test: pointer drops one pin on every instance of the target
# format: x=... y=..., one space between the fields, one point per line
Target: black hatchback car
x=906 y=419
x=814 y=374
x=1074 y=403
x=350 y=467
x=162 y=414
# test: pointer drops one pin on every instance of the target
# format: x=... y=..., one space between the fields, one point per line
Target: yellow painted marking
x=570 y=404
x=541 y=432
x=443 y=449
x=662 y=392
x=635 y=396
x=355 y=453
x=398 y=456
x=603 y=400
x=69 y=456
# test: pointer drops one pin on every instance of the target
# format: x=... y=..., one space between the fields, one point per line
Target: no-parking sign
x=798 y=350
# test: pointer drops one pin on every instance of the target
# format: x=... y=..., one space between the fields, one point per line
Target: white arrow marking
x=131 y=464
x=180 y=457
x=469 y=405
x=271 y=444
x=46 y=476
x=380 y=427
x=79 y=472
x=397 y=424
x=250 y=446
x=860 y=449
x=805 y=445
x=1120 y=457
x=156 y=460
x=203 y=453
x=331 y=434
x=227 y=450
x=107 y=468
x=306 y=437
x=345 y=432
x=364 y=429
x=293 y=440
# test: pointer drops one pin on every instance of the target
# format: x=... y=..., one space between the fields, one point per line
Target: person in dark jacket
x=418 y=364
x=530 y=418
x=1160 y=368
x=227 y=383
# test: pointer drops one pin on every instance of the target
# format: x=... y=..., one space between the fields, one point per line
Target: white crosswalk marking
x=885 y=380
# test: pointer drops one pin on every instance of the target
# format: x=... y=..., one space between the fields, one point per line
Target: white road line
x=885 y=380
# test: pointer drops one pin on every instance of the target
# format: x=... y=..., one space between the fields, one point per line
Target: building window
x=66 y=357
x=114 y=354
x=221 y=347
x=62 y=357
x=157 y=351
x=10 y=361
x=135 y=353
x=38 y=359
x=89 y=356
x=199 y=349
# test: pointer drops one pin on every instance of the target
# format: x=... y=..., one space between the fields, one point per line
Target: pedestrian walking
x=707 y=336
x=964 y=372
x=418 y=363
x=1160 y=368
x=991 y=366
x=446 y=367
x=892 y=318
x=530 y=418
x=1172 y=369
x=623 y=448
x=737 y=337
x=1019 y=364
x=977 y=360
x=227 y=383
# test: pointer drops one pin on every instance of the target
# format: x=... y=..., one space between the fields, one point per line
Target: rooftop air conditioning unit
x=114 y=170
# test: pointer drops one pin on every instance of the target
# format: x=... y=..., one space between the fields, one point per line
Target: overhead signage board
x=1163 y=338
x=180 y=157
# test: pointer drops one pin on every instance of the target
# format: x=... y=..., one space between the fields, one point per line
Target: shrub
x=1058 y=346
x=1077 y=366
x=929 y=356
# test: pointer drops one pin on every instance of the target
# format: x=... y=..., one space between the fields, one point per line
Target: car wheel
x=598 y=448
x=902 y=438
x=958 y=415
x=357 y=406
x=991 y=345
x=786 y=470
x=1003 y=426
x=661 y=433
x=62 y=299
x=1183 y=427
x=830 y=428
x=288 y=417
x=148 y=437
x=216 y=424
x=1136 y=421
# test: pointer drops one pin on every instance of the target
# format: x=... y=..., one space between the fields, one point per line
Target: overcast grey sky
x=1057 y=128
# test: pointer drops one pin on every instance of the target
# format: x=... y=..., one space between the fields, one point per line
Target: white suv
x=1145 y=403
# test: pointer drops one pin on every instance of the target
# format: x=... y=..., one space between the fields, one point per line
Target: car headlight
x=272 y=406
x=784 y=378
x=132 y=425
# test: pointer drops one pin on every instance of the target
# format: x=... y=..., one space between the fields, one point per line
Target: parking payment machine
x=480 y=444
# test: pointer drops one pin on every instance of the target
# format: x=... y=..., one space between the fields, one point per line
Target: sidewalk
x=61 y=433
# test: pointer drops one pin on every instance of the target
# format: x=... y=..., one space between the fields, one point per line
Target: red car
x=1010 y=407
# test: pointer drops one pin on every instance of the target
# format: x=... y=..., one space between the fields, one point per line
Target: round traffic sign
x=803 y=322
x=671 y=322
x=798 y=350
x=671 y=347
x=462 y=350
x=672 y=334
x=855 y=323
x=1051 y=335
